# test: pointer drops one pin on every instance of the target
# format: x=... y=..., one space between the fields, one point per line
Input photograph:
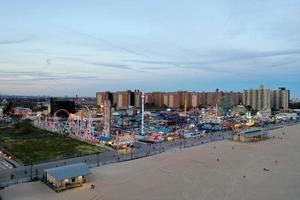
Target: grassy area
x=32 y=145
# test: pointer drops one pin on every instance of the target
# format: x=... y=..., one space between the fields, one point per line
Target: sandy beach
x=192 y=173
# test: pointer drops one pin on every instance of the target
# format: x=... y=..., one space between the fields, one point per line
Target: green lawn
x=33 y=145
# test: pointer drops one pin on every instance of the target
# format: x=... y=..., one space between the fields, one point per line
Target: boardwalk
x=193 y=173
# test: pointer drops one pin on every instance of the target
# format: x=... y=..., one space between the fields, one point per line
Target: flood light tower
x=143 y=98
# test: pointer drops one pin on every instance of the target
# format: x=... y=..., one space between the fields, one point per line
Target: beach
x=227 y=170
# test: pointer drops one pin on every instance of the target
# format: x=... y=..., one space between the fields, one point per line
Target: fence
x=34 y=172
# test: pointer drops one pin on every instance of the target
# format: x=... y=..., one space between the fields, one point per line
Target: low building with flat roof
x=66 y=177
x=251 y=135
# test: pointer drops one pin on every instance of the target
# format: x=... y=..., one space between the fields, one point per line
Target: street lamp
x=160 y=146
x=31 y=171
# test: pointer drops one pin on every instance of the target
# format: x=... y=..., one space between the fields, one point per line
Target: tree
x=164 y=106
x=226 y=103
x=25 y=126
x=147 y=105
x=7 y=108
x=202 y=106
x=248 y=107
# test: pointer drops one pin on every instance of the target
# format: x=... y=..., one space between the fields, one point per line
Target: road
x=35 y=172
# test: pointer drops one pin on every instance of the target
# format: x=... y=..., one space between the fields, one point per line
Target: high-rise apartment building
x=123 y=99
x=148 y=98
x=174 y=100
x=264 y=99
x=280 y=99
x=103 y=96
x=158 y=99
x=195 y=99
x=137 y=99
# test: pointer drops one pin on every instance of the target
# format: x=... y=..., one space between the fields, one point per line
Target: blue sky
x=63 y=47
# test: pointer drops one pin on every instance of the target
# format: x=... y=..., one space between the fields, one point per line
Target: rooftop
x=69 y=171
x=252 y=132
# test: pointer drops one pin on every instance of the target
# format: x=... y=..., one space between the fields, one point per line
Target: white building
x=265 y=99
x=66 y=177
x=280 y=99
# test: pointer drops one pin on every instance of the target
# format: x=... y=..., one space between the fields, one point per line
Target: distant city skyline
x=64 y=47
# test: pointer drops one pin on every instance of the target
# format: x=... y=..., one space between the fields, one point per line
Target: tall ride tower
x=107 y=118
x=143 y=99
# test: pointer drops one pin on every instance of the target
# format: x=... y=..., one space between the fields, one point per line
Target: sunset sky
x=68 y=47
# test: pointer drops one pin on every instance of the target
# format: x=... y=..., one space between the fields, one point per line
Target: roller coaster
x=79 y=126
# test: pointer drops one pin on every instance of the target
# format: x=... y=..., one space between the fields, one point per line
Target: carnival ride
x=82 y=126
x=79 y=125
x=250 y=122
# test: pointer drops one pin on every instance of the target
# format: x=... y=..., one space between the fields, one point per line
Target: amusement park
x=149 y=100
x=123 y=128
x=94 y=127
x=107 y=133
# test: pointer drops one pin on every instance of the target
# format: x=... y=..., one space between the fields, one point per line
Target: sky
x=69 y=47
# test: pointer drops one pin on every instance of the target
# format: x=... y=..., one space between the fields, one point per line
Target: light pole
x=160 y=146
x=31 y=171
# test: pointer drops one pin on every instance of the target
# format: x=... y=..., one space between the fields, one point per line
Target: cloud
x=223 y=59
x=109 y=65
x=100 y=41
x=16 y=41
x=96 y=63
x=227 y=56
x=165 y=65
x=22 y=76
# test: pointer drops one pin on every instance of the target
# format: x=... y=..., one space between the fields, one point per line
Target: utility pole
x=160 y=146
x=98 y=159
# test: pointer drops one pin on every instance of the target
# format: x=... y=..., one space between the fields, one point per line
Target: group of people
x=279 y=137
